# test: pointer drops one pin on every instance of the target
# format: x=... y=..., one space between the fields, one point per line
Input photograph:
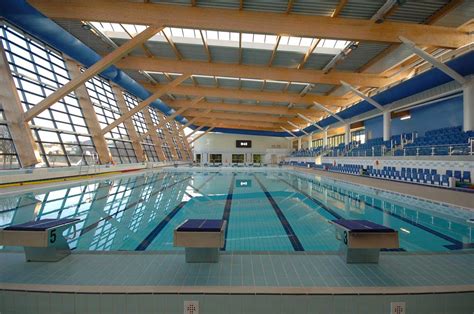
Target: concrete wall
x=218 y=143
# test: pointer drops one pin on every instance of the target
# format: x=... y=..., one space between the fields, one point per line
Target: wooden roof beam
x=250 y=21
x=251 y=71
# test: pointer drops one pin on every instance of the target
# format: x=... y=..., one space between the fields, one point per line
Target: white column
x=347 y=134
x=310 y=140
x=325 y=138
x=299 y=143
x=387 y=125
x=468 y=106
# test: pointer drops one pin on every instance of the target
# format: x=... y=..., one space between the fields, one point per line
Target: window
x=198 y=158
x=358 y=136
x=60 y=131
x=215 y=158
x=335 y=140
x=257 y=158
x=318 y=142
x=141 y=127
x=237 y=158
x=8 y=155
x=107 y=111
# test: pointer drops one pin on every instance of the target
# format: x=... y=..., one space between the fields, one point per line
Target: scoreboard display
x=243 y=144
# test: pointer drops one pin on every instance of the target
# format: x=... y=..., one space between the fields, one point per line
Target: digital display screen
x=243 y=144
x=243 y=183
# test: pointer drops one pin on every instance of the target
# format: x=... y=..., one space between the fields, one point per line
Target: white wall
x=219 y=143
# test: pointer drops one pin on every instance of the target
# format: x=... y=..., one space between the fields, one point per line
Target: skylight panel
x=341 y=44
x=329 y=43
x=270 y=39
x=177 y=32
x=259 y=38
x=247 y=37
x=189 y=33
x=284 y=40
x=224 y=36
x=212 y=35
x=306 y=42
x=234 y=36
x=294 y=41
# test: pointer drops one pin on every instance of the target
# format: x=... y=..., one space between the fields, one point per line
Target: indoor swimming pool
x=266 y=210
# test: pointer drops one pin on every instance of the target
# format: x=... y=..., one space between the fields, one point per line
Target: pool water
x=266 y=210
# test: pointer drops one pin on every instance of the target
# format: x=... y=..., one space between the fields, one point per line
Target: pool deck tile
x=240 y=273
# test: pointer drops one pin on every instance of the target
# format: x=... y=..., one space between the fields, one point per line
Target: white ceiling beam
x=309 y=120
x=429 y=58
x=329 y=111
x=363 y=96
x=288 y=131
x=295 y=126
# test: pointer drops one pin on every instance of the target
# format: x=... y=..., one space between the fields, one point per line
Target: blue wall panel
x=446 y=113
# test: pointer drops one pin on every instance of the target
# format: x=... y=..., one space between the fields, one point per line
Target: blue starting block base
x=361 y=240
x=201 y=238
x=42 y=240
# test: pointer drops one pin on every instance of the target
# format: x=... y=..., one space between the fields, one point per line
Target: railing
x=438 y=150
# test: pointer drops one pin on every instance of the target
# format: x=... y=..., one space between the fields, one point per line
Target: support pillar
x=90 y=116
x=387 y=125
x=128 y=123
x=468 y=105
x=20 y=132
x=347 y=134
x=310 y=141
x=325 y=138
x=154 y=136
x=299 y=143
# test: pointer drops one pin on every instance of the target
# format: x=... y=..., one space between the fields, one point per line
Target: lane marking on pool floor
x=157 y=230
x=227 y=208
x=456 y=244
x=295 y=242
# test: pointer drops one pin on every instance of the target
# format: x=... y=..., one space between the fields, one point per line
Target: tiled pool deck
x=265 y=274
x=113 y=282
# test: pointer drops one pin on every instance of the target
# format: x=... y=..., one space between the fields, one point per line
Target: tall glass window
x=141 y=127
x=8 y=155
x=107 y=111
x=335 y=140
x=358 y=136
x=318 y=142
x=60 y=131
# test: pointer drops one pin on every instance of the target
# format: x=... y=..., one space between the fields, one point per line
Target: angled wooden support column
x=159 y=92
x=95 y=69
x=154 y=135
x=132 y=133
x=174 y=115
x=195 y=130
x=20 y=132
x=201 y=135
x=194 y=120
x=90 y=116
x=181 y=146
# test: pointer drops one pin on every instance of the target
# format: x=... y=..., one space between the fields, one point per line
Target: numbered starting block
x=361 y=240
x=42 y=240
x=201 y=238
